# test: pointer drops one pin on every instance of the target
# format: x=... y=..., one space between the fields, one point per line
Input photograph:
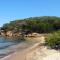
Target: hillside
x=43 y=24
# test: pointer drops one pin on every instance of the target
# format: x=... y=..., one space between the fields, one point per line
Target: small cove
x=11 y=45
x=8 y=45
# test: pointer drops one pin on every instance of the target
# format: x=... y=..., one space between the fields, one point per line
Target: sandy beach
x=22 y=54
x=36 y=52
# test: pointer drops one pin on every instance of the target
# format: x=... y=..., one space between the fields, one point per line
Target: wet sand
x=21 y=55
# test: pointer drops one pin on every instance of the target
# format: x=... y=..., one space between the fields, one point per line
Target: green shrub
x=53 y=40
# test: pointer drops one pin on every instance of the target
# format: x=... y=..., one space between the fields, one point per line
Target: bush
x=53 y=40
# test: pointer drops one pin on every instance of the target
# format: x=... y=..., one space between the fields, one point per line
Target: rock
x=9 y=33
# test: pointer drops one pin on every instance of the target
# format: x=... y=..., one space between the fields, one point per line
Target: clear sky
x=17 y=9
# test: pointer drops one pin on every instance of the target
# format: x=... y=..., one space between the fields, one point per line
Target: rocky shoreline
x=10 y=34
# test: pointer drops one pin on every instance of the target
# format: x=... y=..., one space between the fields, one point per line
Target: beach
x=33 y=49
x=36 y=52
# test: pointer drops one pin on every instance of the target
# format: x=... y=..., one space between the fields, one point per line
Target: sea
x=12 y=45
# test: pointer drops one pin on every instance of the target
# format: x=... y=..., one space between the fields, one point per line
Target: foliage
x=43 y=24
x=53 y=40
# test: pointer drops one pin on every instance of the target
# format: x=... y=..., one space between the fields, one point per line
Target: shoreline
x=35 y=51
x=34 y=42
x=21 y=52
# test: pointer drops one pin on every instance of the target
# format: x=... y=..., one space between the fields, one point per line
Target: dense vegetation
x=34 y=24
x=45 y=24
x=53 y=40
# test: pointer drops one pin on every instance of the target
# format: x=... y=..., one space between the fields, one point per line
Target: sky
x=18 y=9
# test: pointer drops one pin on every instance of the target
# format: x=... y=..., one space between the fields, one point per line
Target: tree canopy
x=43 y=24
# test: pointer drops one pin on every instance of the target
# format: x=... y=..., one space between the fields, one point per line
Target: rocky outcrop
x=2 y=33
x=9 y=33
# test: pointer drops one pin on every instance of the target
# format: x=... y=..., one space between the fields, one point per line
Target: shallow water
x=11 y=45
x=6 y=45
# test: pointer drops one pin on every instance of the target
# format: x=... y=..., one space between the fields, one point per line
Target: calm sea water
x=8 y=45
